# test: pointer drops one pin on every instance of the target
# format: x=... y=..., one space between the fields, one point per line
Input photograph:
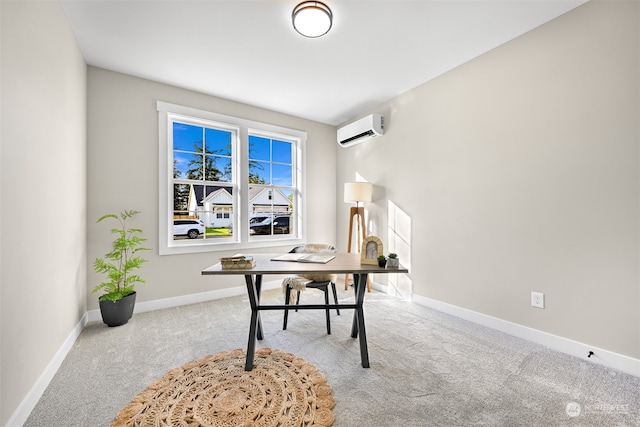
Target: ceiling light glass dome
x=312 y=18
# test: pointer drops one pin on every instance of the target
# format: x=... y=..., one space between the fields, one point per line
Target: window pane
x=186 y=137
x=270 y=161
x=187 y=166
x=271 y=211
x=288 y=194
x=282 y=225
x=259 y=148
x=259 y=173
x=282 y=175
x=202 y=211
x=218 y=141
x=217 y=168
x=282 y=151
x=181 y=199
x=217 y=209
x=186 y=221
x=291 y=218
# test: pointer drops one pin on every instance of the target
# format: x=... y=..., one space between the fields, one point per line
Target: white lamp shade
x=357 y=192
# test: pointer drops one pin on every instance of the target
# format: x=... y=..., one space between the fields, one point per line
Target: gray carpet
x=427 y=368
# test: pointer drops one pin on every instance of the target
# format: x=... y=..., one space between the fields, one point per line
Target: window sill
x=203 y=246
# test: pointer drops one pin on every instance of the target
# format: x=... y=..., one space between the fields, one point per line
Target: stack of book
x=237 y=262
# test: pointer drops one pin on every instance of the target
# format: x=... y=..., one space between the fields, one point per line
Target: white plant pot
x=393 y=262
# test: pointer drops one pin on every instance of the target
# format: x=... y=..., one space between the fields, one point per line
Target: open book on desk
x=302 y=257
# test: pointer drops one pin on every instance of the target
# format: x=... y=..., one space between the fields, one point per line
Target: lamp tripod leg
x=358 y=213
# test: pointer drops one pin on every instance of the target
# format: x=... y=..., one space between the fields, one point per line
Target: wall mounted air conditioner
x=361 y=130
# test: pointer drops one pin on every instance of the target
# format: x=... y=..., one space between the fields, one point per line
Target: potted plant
x=119 y=297
x=382 y=260
x=393 y=261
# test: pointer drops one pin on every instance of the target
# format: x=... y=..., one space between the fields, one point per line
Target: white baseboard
x=380 y=287
x=600 y=356
x=142 y=307
x=21 y=414
x=391 y=290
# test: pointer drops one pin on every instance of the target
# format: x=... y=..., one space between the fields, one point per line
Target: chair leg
x=326 y=303
x=325 y=289
x=335 y=297
x=287 y=298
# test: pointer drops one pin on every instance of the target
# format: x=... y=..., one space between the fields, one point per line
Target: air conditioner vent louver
x=362 y=135
x=361 y=130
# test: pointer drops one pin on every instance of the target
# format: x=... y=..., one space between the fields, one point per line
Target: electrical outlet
x=537 y=299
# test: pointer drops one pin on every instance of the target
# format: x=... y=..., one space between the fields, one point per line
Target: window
x=271 y=189
x=242 y=180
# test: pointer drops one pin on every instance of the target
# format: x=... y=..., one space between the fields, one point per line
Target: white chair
x=297 y=283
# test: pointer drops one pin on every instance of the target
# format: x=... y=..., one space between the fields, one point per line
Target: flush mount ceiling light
x=312 y=18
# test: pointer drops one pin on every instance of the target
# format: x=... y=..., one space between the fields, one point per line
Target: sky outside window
x=201 y=153
x=270 y=161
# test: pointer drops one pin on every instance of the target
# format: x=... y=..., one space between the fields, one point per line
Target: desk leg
x=258 y=282
x=360 y=283
x=255 y=327
x=354 y=326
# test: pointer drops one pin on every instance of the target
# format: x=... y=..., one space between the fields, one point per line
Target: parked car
x=257 y=219
x=280 y=225
x=253 y=220
x=192 y=228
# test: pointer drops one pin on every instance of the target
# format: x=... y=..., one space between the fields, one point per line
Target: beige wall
x=518 y=172
x=123 y=174
x=43 y=273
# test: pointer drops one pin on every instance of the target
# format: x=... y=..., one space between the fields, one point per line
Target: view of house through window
x=271 y=200
x=202 y=181
x=220 y=196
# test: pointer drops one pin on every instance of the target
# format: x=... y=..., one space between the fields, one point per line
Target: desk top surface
x=342 y=263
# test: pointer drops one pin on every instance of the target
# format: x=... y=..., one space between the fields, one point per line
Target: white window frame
x=241 y=239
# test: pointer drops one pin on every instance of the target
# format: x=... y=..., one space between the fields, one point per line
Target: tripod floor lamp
x=356 y=192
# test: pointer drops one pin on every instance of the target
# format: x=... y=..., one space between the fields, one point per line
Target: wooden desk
x=343 y=263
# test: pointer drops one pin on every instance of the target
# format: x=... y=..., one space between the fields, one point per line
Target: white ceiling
x=247 y=50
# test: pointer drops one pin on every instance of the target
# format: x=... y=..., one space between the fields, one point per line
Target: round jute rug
x=281 y=390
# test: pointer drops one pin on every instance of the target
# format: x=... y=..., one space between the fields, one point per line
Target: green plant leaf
x=118 y=264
